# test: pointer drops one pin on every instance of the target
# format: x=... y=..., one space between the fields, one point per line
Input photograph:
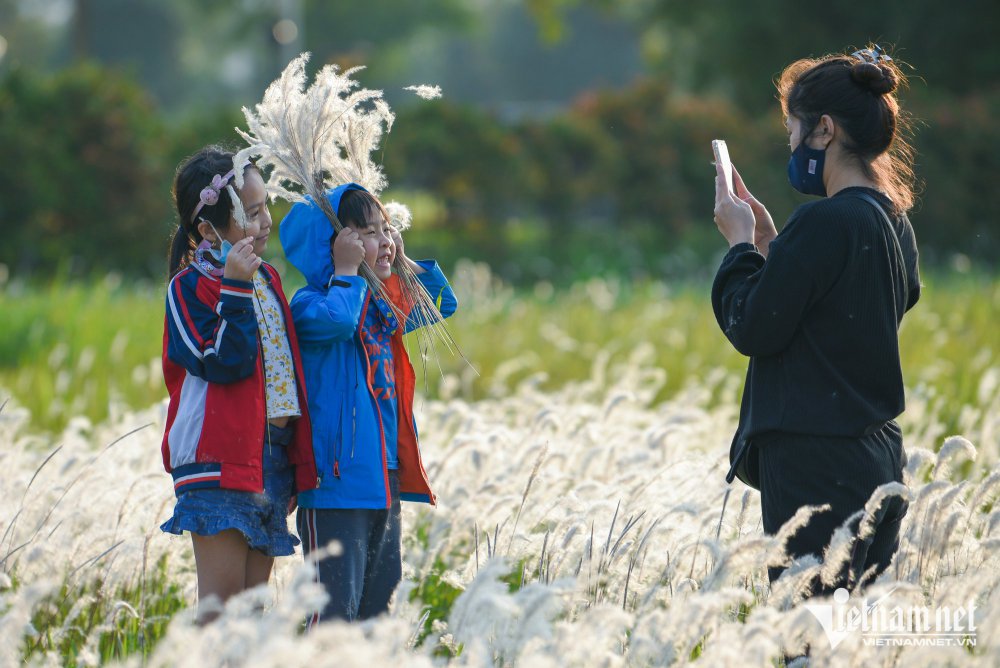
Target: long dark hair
x=860 y=96
x=192 y=176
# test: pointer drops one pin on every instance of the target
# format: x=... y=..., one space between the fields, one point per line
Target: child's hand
x=348 y=252
x=241 y=262
x=398 y=255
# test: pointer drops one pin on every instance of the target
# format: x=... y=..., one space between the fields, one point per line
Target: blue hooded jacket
x=347 y=437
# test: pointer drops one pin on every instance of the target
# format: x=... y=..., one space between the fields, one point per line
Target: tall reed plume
x=309 y=139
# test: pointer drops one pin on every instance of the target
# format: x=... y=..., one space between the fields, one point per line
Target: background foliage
x=547 y=167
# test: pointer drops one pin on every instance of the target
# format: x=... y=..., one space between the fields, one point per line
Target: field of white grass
x=585 y=526
x=583 y=520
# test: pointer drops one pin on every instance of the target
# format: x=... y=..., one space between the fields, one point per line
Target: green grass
x=75 y=349
x=127 y=621
x=436 y=597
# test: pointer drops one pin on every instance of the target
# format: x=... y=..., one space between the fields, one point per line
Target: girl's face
x=254 y=198
x=379 y=249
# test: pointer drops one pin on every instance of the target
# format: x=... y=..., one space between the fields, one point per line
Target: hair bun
x=878 y=78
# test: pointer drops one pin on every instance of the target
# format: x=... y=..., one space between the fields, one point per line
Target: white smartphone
x=722 y=158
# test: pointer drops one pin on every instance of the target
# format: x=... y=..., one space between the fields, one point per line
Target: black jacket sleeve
x=759 y=304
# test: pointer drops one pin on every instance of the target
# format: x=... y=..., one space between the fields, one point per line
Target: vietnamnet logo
x=884 y=626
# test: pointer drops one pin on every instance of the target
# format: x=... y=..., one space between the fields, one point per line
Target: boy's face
x=379 y=249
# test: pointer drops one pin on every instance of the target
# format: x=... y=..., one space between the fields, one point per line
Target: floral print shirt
x=279 y=372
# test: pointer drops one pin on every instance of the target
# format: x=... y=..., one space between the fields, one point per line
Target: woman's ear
x=824 y=132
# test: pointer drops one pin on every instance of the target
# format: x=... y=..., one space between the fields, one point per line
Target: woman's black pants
x=798 y=470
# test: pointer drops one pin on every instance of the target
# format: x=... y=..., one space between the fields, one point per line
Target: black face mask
x=805 y=170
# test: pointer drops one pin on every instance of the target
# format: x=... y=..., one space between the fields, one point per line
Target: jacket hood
x=305 y=235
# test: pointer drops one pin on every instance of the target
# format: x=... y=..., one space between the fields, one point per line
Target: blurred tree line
x=623 y=180
x=618 y=180
x=735 y=48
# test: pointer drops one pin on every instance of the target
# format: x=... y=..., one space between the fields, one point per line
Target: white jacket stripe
x=179 y=323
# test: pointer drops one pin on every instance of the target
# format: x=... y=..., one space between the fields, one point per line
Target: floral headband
x=874 y=56
x=210 y=193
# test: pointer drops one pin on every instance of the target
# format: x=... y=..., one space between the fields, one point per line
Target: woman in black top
x=817 y=309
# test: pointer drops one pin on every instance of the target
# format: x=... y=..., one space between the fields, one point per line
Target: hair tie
x=875 y=55
x=210 y=194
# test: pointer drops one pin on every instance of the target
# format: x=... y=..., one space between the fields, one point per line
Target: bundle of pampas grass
x=310 y=139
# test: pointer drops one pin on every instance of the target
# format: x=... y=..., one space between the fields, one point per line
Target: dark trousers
x=361 y=578
x=798 y=470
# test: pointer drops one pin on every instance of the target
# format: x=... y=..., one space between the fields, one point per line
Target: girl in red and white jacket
x=237 y=436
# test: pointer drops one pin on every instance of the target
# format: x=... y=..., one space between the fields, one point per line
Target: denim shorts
x=261 y=518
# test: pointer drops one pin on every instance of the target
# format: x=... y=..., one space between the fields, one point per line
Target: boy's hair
x=193 y=175
x=357 y=206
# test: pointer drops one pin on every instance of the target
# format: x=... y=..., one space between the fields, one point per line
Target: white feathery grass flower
x=310 y=139
x=425 y=91
x=955 y=449
x=316 y=137
x=238 y=213
x=241 y=160
x=399 y=215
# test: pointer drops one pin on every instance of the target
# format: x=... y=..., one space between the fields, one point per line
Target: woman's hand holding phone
x=739 y=215
x=764 y=230
x=732 y=215
x=721 y=152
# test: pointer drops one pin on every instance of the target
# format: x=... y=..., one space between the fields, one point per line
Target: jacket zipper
x=338 y=442
x=361 y=342
x=263 y=393
x=378 y=409
x=354 y=407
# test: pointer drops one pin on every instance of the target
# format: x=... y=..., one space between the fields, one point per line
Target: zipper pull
x=336 y=469
x=354 y=428
x=319 y=481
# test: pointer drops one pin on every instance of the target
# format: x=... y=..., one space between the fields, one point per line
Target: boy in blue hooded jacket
x=359 y=383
